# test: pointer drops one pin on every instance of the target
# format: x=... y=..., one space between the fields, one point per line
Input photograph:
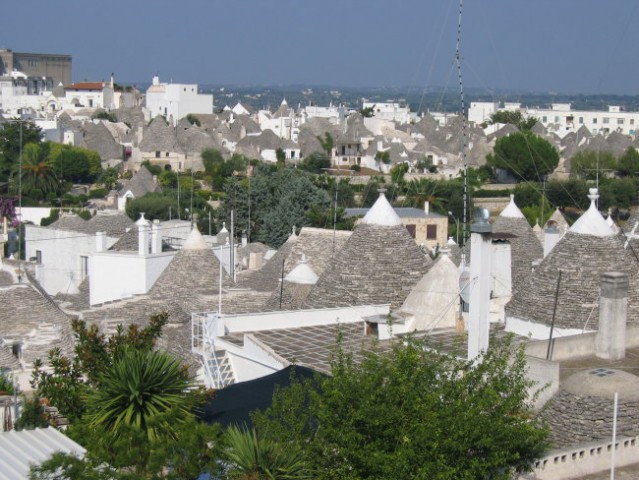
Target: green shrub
x=98 y=193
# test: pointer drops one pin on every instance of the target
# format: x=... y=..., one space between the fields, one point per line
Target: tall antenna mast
x=463 y=116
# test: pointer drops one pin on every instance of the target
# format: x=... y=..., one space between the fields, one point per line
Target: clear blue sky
x=566 y=46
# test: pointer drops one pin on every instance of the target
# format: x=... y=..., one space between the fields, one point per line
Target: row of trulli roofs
x=369 y=287
x=153 y=126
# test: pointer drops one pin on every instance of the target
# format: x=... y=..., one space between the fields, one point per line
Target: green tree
x=11 y=134
x=193 y=120
x=383 y=157
x=367 y=112
x=376 y=418
x=629 y=162
x=37 y=172
x=525 y=155
x=514 y=118
x=153 y=169
x=104 y=115
x=280 y=156
x=316 y=162
x=590 y=164
x=327 y=143
x=250 y=457
x=568 y=193
x=109 y=178
x=139 y=390
x=74 y=164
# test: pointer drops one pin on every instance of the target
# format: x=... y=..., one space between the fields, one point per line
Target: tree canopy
x=525 y=155
x=412 y=413
x=590 y=164
x=513 y=117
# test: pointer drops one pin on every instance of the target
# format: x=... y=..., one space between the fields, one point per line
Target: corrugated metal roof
x=20 y=450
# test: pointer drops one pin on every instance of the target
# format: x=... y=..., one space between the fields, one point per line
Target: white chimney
x=143 y=235
x=480 y=254
x=244 y=239
x=427 y=207
x=156 y=237
x=100 y=241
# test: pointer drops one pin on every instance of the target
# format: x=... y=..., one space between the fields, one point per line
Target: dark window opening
x=431 y=232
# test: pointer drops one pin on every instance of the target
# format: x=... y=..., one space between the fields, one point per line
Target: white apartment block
x=562 y=119
x=389 y=111
x=176 y=100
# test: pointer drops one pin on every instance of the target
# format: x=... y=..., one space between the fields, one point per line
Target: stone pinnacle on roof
x=302 y=273
x=382 y=213
x=591 y=222
x=142 y=221
x=195 y=241
x=512 y=210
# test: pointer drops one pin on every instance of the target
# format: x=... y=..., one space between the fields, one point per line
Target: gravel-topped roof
x=70 y=222
x=159 y=136
x=98 y=137
x=582 y=259
x=319 y=246
x=525 y=247
x=379 y=264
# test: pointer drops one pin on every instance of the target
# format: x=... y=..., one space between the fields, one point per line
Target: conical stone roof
x=525 y=247
x=195 y=270
x=582 y=258
x=379 y=263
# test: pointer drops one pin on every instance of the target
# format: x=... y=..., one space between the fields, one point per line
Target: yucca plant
x=250 y=457
x=144 y=390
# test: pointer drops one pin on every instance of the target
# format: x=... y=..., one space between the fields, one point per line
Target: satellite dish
x=464 y=284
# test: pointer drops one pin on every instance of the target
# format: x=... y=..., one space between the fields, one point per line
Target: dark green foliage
x=153 y=169
x=10 y=134
x=193 y=120
x=569 y=193
x=249 y=456
x=53 y=216
x=398 y=171
x=217 y=170
x=617 y=192
x=525 y=155
x=32 y=415
x=74 y=164
x=168 y=178
x=98 y=193
x=590 y=164
x=280 y=155
x=109 y=178
x=316 y=162
x=164 y=205
x=327 y=143
x=629 y=162
x=104 y=115
x=527 y=194
x=66 y=382
x=279 y=199
x=412 y=413
x=383 y=157
x=6 y=385
x=513 y=117
x=367 y=112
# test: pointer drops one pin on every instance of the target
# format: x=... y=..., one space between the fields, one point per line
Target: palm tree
x=37 y=173
x=143 y=390
x=253 y=458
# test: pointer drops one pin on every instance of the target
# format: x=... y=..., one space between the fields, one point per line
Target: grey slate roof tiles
x=378 y=264
x=582 y=259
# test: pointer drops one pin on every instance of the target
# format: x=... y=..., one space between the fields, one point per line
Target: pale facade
x=176 y=100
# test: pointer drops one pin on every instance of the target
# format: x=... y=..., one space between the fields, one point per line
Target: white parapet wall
x=586 y=459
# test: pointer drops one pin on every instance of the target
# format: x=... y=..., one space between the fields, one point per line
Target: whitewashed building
x=176 y=100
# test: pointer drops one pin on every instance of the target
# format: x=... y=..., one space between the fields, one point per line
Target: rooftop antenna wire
x=463 y=110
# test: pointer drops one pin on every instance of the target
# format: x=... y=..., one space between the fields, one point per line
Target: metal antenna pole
x=20 y=197
x=463 y=117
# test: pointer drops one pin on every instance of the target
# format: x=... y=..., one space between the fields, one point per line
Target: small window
x=632 y=121
x=606 y=120
x=16 y=349
x=431 y=232
x=84 y=266
x=38 y=257
x=581 y=120
x=544 y=119
x=167 y=154
x=412 y=229
x=157 y=154
x=594 y=120
x=620 y=121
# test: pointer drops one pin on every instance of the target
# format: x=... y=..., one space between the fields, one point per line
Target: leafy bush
x=98 y=193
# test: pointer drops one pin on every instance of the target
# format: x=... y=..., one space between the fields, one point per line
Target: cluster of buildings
x=240 y=311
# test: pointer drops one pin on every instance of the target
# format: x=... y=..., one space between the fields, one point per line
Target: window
x=167 y=154
x=620 y=121
x=16 y=349
x=157 y=154
x=431 y=232
x=606 y=120
x=411 y=230
x=594 y=121
x=38 y=257
x=84 y=266
x=632 y=121
x=581 y=120
x=544 y=119
x=556 y=119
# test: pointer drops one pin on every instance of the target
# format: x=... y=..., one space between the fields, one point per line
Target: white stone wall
x=176 y=100
x=61 y=252
x=118 y=275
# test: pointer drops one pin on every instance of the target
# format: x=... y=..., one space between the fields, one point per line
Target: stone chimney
x=143 y=235
x=427 y=207
x=244 y=239
x=610 y=342
x=480 y=254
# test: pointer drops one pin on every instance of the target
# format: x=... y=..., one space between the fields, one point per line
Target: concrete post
x=143 y=235
x=100 y=241
x=610 y=342
x=156 y=237
x=480 y=276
